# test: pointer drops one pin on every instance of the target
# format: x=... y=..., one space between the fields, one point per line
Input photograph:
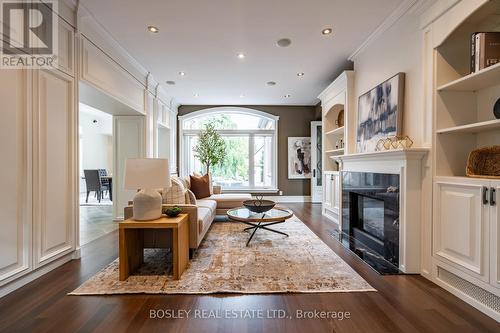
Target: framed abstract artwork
x=299 y=157
x=380 y=113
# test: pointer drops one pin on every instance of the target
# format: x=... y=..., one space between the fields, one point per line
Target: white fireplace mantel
x=388 y=161
x=408 y=164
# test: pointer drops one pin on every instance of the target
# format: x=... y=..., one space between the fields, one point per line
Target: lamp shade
x=147 y=173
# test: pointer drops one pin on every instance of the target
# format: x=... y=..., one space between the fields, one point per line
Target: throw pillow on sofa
x=210 y=184
x=176 y=194
x=200 y=186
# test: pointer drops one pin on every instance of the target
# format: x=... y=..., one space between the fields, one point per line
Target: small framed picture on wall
x=299 y=157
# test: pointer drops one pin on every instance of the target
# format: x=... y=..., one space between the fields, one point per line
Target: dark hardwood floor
x=402 y=303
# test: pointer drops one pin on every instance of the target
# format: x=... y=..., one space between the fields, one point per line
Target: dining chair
x=93 y=183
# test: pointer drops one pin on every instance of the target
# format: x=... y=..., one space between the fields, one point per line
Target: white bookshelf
x=479 y=127
x=339 y=151
x=482 y=79
x=339 y=131
x=463 y=113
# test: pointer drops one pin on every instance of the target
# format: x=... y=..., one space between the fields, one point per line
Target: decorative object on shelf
x=394 y=142
x=299 y=157
x=340 y=119
x=380 y=113
x=147 y=174
x=484 y=163
x=173 y=211
x=496 y=109
x=259 y=205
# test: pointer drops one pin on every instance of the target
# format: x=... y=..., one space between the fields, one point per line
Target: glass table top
x=273 y=214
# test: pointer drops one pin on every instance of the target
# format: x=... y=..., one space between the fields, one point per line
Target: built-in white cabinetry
x=338 y=128
x=66 y=48
x=15 y=178
x=53 y=165
x=104 y=73
x=462 y=225
x=332 y=195
x=464 y=247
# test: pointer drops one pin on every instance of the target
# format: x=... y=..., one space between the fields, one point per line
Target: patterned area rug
x=272 y=263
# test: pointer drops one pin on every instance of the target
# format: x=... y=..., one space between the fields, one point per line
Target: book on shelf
x=485 y=50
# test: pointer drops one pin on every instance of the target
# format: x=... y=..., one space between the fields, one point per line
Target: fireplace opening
x=370 y=218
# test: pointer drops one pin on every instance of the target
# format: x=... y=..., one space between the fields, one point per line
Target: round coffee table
x=260 y=220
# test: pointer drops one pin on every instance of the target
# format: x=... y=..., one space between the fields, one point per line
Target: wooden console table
x=132 y=243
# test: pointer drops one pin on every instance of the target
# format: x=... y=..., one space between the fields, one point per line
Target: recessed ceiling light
x=170 y=82
x=271 y=83
x=300 y=74
x=153 y=29
x=182 y=73
x=326 y=31
x=241 y=55
x=284 y=42
x=287 y=96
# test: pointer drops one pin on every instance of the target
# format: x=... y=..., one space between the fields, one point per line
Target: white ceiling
x=202 y=38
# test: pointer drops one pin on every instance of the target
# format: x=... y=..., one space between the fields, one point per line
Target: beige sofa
x=201 y=217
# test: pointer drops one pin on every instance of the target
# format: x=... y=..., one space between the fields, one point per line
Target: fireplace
x=370 y=218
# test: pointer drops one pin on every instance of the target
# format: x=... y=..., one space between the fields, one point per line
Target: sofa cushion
x=230 y=200
x=205 y=217
x=175 y=194
x=200 y=186
x=207 y=203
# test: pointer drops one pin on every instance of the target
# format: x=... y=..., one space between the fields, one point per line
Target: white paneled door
x=461 y=225
x=15 y=180
x=53 y=165
x=129 y=142
x=316 y=162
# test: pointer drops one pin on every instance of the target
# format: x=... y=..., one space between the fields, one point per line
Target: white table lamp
x=148 y=175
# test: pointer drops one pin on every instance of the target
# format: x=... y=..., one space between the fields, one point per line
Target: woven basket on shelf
x=484 y=163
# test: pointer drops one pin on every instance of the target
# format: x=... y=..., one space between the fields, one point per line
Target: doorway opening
x=109 y=133
x=96 y=173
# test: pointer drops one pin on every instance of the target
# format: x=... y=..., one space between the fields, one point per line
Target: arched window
x=251 y=141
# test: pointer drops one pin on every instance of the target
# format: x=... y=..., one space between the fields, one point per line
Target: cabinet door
x=336 y=197
x=54 y=164
x=15 y=178
x=66 y=48
x=461 y=226
x=327 y=197
x=495 y=235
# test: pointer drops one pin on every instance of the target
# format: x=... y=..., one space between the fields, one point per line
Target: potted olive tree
x=211 y=148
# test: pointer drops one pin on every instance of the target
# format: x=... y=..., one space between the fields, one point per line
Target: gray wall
x=294 y=121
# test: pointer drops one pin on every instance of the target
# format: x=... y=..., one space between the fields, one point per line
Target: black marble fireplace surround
x=370 y=218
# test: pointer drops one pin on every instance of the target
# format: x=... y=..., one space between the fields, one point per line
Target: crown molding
x=435 y=11
x=394 y=17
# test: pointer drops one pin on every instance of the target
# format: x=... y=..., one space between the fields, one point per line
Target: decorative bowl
x=259 y=206
x=173 y=211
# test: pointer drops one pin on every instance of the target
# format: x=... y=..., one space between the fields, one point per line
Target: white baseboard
x=29 y=277
x=288 y=198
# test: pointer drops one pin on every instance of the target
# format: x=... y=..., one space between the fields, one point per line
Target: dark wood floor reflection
x=402 y=303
